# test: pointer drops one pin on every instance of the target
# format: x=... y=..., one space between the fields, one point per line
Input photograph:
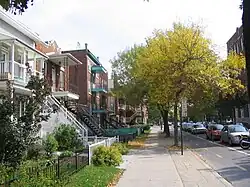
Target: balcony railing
x=99 y=108
x=99 y=87
x=73 y=88
x=20 y=72
x=61 y=87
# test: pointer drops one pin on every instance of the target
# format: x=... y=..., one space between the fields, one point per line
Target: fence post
x=76 y=157
x=58 y=168
x=89 y=155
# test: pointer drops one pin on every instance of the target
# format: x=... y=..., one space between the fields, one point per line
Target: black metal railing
x=53 y=169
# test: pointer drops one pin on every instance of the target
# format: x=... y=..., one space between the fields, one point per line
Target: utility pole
x=181 y=129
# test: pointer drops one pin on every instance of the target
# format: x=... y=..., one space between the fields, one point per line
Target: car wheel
x=221 y=141
x=230 y=142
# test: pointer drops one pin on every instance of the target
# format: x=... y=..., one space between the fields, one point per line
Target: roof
x=5 y=35
x=19 y=26
x=72 y=61
x=89 y=53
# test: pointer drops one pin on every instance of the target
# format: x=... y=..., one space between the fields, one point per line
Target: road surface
x=232 y=163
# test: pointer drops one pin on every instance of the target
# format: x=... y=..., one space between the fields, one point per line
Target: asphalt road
x=232 y=163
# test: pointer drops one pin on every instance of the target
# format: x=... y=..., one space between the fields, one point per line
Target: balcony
x=21 y=76
x=99 y=109
x=62 y=90
x=99 y=88
x=98 y=69
x=17 y=62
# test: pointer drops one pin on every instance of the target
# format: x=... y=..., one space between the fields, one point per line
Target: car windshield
x=237 y=128
x=198 y=126
x=218 y=127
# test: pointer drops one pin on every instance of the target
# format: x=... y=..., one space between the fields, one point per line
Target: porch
x=18 y=62
x=59 y=78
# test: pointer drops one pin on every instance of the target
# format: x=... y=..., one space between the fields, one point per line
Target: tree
x=18 y=133
x=67 y=137
x=126 y=85
x=16 y=6
x=50 y=144
x=175 y=63
x=234 y=94
x=246 y=35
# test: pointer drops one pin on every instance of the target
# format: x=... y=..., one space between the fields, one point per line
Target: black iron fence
x=53 y=169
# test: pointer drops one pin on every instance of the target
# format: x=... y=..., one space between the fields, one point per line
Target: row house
x=22 y=54
x=18 y=56
x=235 y=43
x=64 y=85
x=93 y=83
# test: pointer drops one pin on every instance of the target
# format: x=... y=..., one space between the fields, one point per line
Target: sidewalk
x=156 y=166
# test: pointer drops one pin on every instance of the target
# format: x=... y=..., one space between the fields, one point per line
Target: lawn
x=92 y=176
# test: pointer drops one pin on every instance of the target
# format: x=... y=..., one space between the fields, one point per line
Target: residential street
x=155 y=165
x=230 y=162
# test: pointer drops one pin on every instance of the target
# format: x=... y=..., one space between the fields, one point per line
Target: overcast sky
x=109 y=26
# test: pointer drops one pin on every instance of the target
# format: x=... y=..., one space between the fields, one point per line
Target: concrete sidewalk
x=156 y=166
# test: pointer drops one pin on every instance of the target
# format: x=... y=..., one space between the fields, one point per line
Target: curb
x=216 y=174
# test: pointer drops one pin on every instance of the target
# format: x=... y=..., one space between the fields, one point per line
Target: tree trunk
x=164 y=114
x=233 y=115
x=246 y=36
x=175 y=124
x=165 y=121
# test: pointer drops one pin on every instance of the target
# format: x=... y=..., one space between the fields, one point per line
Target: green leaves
x=126 y=84
x=18 y=133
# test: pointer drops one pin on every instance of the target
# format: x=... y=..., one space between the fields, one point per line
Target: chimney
x=86 y=46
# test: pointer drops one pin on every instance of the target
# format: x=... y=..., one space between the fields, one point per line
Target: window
x=237 y=128
x=3 y=57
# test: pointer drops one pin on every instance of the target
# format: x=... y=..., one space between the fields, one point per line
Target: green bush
x=50 y=144
x=106 y=156
x=146 y=128
x=123 y=149
x=31 y=179
x=35 y=151
x=66 y=154
x=67 y=137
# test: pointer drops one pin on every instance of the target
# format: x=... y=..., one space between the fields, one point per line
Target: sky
x=110 y=26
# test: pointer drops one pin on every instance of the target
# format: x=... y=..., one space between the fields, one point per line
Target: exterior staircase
x=130 y=120
x=83 y=115
x=118 y=123
x=112 y=124
x=57 y=108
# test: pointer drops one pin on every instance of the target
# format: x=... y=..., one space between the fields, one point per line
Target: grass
x=139 y=142
x=92 y=176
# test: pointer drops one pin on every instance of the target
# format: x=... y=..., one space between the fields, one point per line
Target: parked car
x=232 y=134
x=189 y=127
x=198 y=128
x=214 y=131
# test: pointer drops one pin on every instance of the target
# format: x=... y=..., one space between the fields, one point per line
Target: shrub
x=4 y=173
x=67 y=137
x=37 y=178
x=66 y=154
x=106 y=156
x=50 y=144
x=146 y=128
x=35 y=151
x=123 y=149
